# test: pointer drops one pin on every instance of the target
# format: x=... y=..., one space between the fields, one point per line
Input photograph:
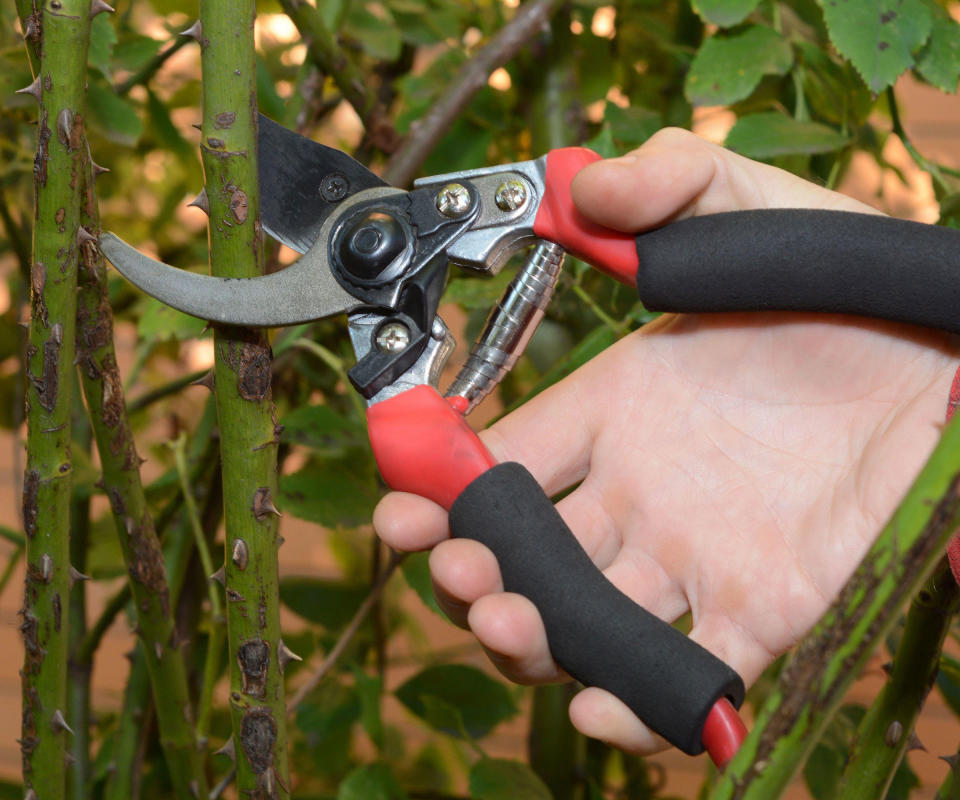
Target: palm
x=742 y=465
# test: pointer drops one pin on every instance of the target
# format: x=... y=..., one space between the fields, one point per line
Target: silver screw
x=511 y=195
x=453 y=200
x=393 y=337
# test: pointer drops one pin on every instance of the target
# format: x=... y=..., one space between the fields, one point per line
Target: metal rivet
x=393 y=337
x=453 y=200
x=334 y=187
x=511 y=195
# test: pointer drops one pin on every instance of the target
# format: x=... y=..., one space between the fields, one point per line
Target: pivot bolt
x=511 y=195
x=453 y=200
x=333 y=187
x=393 y=337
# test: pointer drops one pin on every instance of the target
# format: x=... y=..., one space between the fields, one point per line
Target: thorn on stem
x=207 y=381
x=952 y=760
x=158 y=649
x=229 y=750
x=195 y=32
x=46 y=568
x=77 y=575
x=201 y=202
x=240 y=554
x=914 y=743
x=58 y=723
x=220 y=576
x=97 y=169
x=285 y=655
x=33 y=89
x=893 y=734
x=98 y=7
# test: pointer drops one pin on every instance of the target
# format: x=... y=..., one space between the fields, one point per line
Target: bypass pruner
x=380 y=255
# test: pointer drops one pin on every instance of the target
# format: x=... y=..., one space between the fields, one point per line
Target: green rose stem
x=242 y=374
x=59 y=90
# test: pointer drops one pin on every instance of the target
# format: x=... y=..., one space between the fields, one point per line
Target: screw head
x=453 y=200
x=393 y=337
x=511 y=195
x=333 y=187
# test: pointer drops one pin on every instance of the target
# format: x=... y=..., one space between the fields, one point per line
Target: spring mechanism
x=510 y=325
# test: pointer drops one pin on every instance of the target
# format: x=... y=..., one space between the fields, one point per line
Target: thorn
x=285 y=655
x=32 y=89
x=84 y=236
x=229 y=750
x=196 y=125
x=914 y=743
x=195 y=32
x=77 y=575
x=263 y=504
x=58 y=723
x=30 y=795
x=207 y=381
x=201 y=202
x=887 y=669
x=46 y=568
x=239 y=555
x=280 y=541
x=952 y=760
x=64 y=124
x=194 y=788
x=130 y=654
x=158 y=649
x=56 y=333
x=97 y=169
x=220 y=576
x=98 y=7
x=32 y=30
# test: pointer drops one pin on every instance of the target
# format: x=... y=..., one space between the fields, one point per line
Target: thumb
x=676 y=174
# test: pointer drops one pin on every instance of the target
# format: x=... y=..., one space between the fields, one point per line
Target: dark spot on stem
x=887 y=16
x=881 y=46
x=253 y=656
x=239 y=205
x=57 y=611
x=59 y=218
x=48 y=387
x=31 y=483
x=251 y=358
x=40 y=159
x=216 y=144
x=146 y=560
x=224 y=119
x=38 y=280
x=258 y=732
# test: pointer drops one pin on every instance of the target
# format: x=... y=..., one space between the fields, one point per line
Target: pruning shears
x=381 y=256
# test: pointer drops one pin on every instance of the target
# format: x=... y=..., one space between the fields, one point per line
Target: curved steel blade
x=304 y=291
x=302 y=182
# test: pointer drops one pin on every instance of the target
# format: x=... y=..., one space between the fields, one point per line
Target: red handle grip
x=558 y=220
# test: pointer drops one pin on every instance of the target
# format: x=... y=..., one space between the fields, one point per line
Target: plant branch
x=368 y=604
x=330 y=58
x=143 y=75
x=884 y=733
x=248 y=435
x=50 y=383
x=919 y=159
x=152 y=396
x=812 y=684
x=424 y=134
x=103 y=388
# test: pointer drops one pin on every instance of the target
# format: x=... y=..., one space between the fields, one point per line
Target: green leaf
x=371 y=25
x=103 y=38
x=114 y=117
x=633 y=125
x=603 y=144
x=822 y=771
x=481 y=701
x=726 y=69
x=725 y=13
x=371 y=782
x=479 y=292
x=416 y=572
x=939 y=61
x=323 y=601
x=500 y=779
x=325 y=720
x=166 y=133
x=160 y=323
x=771 y=134
x=334 y=492
x=321 y=428
x=134 y=51
x=879 y=37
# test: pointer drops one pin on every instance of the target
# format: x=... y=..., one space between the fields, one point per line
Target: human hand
x=736 y=466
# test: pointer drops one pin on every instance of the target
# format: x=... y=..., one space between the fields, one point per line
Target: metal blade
x=302 y=182
x=304 y=291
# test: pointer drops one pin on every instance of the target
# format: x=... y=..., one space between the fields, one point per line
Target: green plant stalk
x=49 y=371
x=120 y=464
x=556 y=749
x=884 y=733
x=330 y=58
x=29 y=13
x=950 y=788
x=78 y=673
x=129 y=740
x=814 y=680
x=242 y=375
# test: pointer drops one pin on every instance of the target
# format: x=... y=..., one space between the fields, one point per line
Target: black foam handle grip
x=804 y=260
x=595 y=632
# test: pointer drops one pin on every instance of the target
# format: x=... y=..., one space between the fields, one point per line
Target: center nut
x=370 y=245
